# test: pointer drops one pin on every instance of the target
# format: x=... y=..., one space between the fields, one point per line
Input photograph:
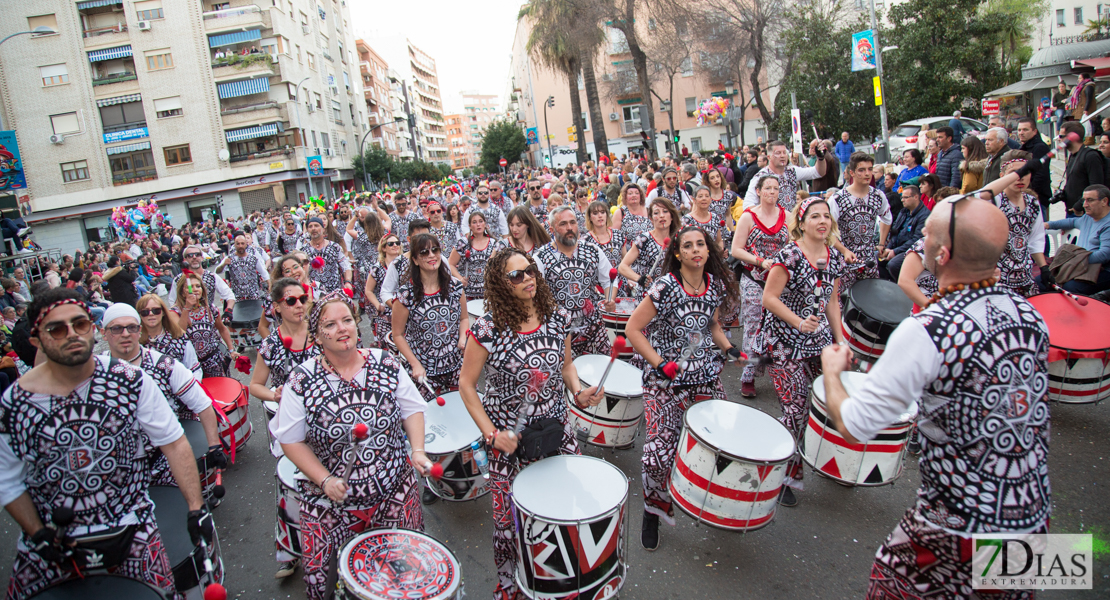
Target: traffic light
x=676 y=138
x=665 y=132
x=644 y=143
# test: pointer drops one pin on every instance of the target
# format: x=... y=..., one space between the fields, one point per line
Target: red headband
x=49 y=307
x=809 y=202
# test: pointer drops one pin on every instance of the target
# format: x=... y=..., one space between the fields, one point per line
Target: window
x=75 y=171
x=311 y=61
x=133 y=167
x=65 y=123
x=121 y=117
x=695 y=144
x=691 y=106
x=50 y=21
x=314 y=142
x=319 y=103
x=149 y=10
x=178 y=155
x=687 y=67
x=292 y=91
x=325 y=141
x=158 y=59
x=300 y=58
x=168 y=107
x=586 y=120
x=54 y=75
x=1078 y=15
x=631 y=119
x=1060 y=17
x=304 y=19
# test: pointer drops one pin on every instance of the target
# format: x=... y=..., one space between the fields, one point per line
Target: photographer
x=121 y=280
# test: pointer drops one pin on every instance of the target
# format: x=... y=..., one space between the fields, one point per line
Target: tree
x=501 y=138
x=670 y=52
x=467 y=172
x=445 y=169
x=759 y=25
x=623 y=19
x=376 y=160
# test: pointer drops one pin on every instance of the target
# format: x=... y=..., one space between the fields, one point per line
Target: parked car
x=905 y=135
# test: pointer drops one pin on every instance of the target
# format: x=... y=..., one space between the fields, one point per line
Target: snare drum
x=231 y=398
x=730 y=465
x=101 y=587
x=287 y=530
x=389 y=564
x=448 y=433
x=615 y=421
x=245 y=315
x=194 y=433
x=570 y=524
x=877 y=462
x=616 y=321
x=873 y=311
x=1079 y=348
x=186 y=559
x=476 y=309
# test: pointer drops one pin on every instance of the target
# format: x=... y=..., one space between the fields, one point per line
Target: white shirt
x=392 y=276
x=223 y=290
x=751 y=198
x=185 y=384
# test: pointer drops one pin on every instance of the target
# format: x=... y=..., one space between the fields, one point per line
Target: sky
x=470 y=41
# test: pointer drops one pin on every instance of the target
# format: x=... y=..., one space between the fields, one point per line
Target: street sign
x=573 y=137
x=991 y=107
x=503 y=162
x=796 y=129
x=572 y=146
x=572 y=129
x=878 y=91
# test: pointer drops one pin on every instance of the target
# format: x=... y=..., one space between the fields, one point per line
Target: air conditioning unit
x=606 y=76
x=305 y=29
x=329 y=152
x=57 y=139
x=614 y=117
x=311 y=108
x=143 y=25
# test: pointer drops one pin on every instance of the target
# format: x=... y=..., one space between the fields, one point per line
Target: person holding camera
x=121 y=278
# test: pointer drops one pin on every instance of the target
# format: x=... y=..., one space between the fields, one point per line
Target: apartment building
x=427 y=106
x=480 y=110
x=457 y=142
x=211 y=108
x=379 y=108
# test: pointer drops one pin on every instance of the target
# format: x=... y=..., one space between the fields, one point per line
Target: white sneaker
x=22 y=231
x=285 y=569
x=25 y=251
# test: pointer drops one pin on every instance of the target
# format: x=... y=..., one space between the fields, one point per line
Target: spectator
x=9 y=318
x=1060 y=103
x=957 y=127
x=908 y=227
x=1032 y=143
x=1094 y=236
x=995 y=142
x=760 y=163
x=931 y=151
x=11 y=286
x=53 y=275
x=843 y=150
x=1011 y=143
x=24 y=286
x=911 y=160
x=929 y=186
x=973 y=164
x=121 y=281
x=833 y=169
x=1085 y=103
x=1086 y=167
x=948 y=158
x=893 y=198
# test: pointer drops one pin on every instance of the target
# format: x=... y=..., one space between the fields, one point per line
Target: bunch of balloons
x=711 y=110
x=138 y=221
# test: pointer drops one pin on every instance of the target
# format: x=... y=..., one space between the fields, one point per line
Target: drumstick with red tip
x=358 y=433
x=620 y=345
x=612 y=284
x=427 y=385
x=1080 y=300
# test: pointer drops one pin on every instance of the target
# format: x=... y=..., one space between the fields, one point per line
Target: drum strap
x=221 y=416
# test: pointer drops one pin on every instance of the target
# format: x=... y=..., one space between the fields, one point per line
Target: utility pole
x=304 y=138
x=879 y=74
x=549 y=103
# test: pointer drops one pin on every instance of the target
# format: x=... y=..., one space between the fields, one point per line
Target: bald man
x=975 y=362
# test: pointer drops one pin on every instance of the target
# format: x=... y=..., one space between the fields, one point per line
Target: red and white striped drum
x=231 y=398
x=1079 y=348
x=287 y=530
x=616 y=321
x=730 y=465
x=614 y=422
x=873 y=311
x=186 y=558
x=876 y=462
x=394 y=564
x=569 y=515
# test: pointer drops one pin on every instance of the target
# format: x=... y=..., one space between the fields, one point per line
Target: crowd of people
x=700 y=245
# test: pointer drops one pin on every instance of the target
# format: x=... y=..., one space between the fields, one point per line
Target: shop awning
x=238 y=37
x=1026 y=85
x=243 y=87
x=238 y=135
x=124 y=149
x=96 y=3
x=119 y=100
x=110 y=53
x=1100 y=65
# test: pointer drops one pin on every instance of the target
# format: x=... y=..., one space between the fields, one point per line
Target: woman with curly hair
x=322 y=400
x=647 y=248
x=800 y=319
x=430 y=318
x=681 y=308
x=631 y=217
x=525 y=231
x=203 y=326
x=469 y=255
x=523 y=326
x=161 y=332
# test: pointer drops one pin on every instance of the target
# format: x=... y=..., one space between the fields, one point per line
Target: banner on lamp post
x=796 y=129
x=863 y=50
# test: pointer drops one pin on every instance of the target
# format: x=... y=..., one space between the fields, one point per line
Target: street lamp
x=40 y=30
x=362 y=150
x=730 y=112
x=730 y=88
x=550 y=103
x=304 y=140
x=882 y=90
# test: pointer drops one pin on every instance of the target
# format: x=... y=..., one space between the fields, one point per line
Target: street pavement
x=823 y=548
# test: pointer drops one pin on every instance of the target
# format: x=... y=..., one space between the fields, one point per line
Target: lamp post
x=40 y=30
x=300 y=125
x=362 y=150
x=882 y=90
x=730 y=112
x=549 y=103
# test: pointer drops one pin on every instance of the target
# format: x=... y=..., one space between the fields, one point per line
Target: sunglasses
x=435 y=212
x=193 y=255
x=952 y=226
x=119 y=329
x=427 y=251
x=483 y=193
x=59 y=331
x=517 y=277
x=391 y=244
x=146 y=312
x=294 y=300
x=533 y=188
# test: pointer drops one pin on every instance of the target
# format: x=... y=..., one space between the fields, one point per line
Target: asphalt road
x=823 y=548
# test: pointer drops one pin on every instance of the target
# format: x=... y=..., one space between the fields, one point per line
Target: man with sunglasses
x=537 y=204
x=335 y=270
x=214 y=285
x=401 y=217
x=778 y=164
x=72 y=435
x=498 y=197
x=670 y=190
x=446 y=231
x=495 y=217
x=574 y=271
x=975 y=362
x=121 y=326
x=289 y=239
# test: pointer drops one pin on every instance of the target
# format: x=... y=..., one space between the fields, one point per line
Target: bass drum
x=101 y=587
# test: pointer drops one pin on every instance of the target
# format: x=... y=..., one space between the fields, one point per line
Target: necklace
x=959 y=287
x=697 y=288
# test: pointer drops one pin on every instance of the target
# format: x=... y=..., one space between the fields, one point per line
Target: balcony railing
x=134 y=176
x=231 y=110
x=286 y=151
x=116 y=78
x=117 y=28
x=124 y=126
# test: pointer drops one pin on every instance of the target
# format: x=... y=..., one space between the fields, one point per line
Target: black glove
x=734 y=353
x=45 y=544
x=644 y=281
x=215 y=457
x=199 y=522
x=667 y=370
x=1047 y=278
x=1030 y=166
x=820 y=151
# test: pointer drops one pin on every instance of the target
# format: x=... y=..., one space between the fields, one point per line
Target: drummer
x=248 y=277
x=632 y=217
x=187 y=399
x=917 y=282
x=203 y=326
x=321 y=402
x=964 y=397
x=681 y=307
x=523 y=326
x=381 y=319
x=856 y=209
x=760 y=234
x=1027 y=236
x=701 y=216
x=334 y=269
x=364 y=252
x=800 y=319
x=76 y=409
x=161 y=332
x=214 y=285
x=647 y=248
x=469 y=255
x=525 y=231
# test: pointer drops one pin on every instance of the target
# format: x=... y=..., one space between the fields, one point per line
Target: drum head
x=449 y=427
x=100 y=587
x=246 y=311
x=570 y=488
x=476 y=307
x=224 y=389
x=397 y=563
x=852 y=383
x=194 y=433
x=170 y=511
x=740 y=431
x=880 y=300
x=624 y=379
x=287 y=473
x=1074 y=327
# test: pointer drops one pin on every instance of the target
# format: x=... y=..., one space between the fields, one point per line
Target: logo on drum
x=610 y=589
x=1053 y=561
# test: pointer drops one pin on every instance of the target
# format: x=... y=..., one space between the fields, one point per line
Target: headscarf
x=318 y=308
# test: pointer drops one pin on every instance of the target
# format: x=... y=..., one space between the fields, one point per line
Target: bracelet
x=415 y=450
x=324 y=483
x=492 y=436
x=576 y=394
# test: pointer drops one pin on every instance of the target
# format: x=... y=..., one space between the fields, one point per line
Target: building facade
x=379 y=107
x=457 y=142
x=427 y=106
x=213 y=109
x=1068 y=20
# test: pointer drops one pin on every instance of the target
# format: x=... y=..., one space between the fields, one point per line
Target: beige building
x=457 y=142
x=479 y=111
x=530 y=84
x=379 y=108
x=427 y=106
x=209 y=108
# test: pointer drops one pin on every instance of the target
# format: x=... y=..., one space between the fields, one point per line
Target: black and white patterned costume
x=711 y=227
x=330 y=276
x=472 y=264
x=764 y=241
x=180 y=349
x=926 y=281
x=857 y=220
x=494 y=218
x=574 y=282
x=722 y=209
x=432 y=331
x=678 y=197
x=381 y=320
x=245 y=275
x=289 y=242
x=540 y=212
x=86 y=451
x=365 y=254
x=520 y=365
x=399 y=226
x=633 y=225
x=211 y=351
x=788 y=185
x=1026 y=238
x=280 y=360
x=651 y=253
x=448 y=236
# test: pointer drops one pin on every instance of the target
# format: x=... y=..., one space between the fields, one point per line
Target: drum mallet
x=612 y=284
x=619 y=346
x=428 y=386
x=358 y=433
x=1080 y=300
x=213 y=591
x=688 y=351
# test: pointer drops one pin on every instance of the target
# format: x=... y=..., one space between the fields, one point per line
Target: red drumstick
x=358 y=433
x=620 y=345
x=1080 y=300
x=612 y=283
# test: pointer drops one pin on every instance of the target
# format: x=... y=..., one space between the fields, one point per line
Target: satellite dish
x=224 y=155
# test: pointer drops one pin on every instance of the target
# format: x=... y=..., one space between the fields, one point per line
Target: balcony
x=135 y=176
x=246 y=114
x=115 y=78
x=114 y=35
x=262 y=155
x=228 y=19
x=238 y=66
